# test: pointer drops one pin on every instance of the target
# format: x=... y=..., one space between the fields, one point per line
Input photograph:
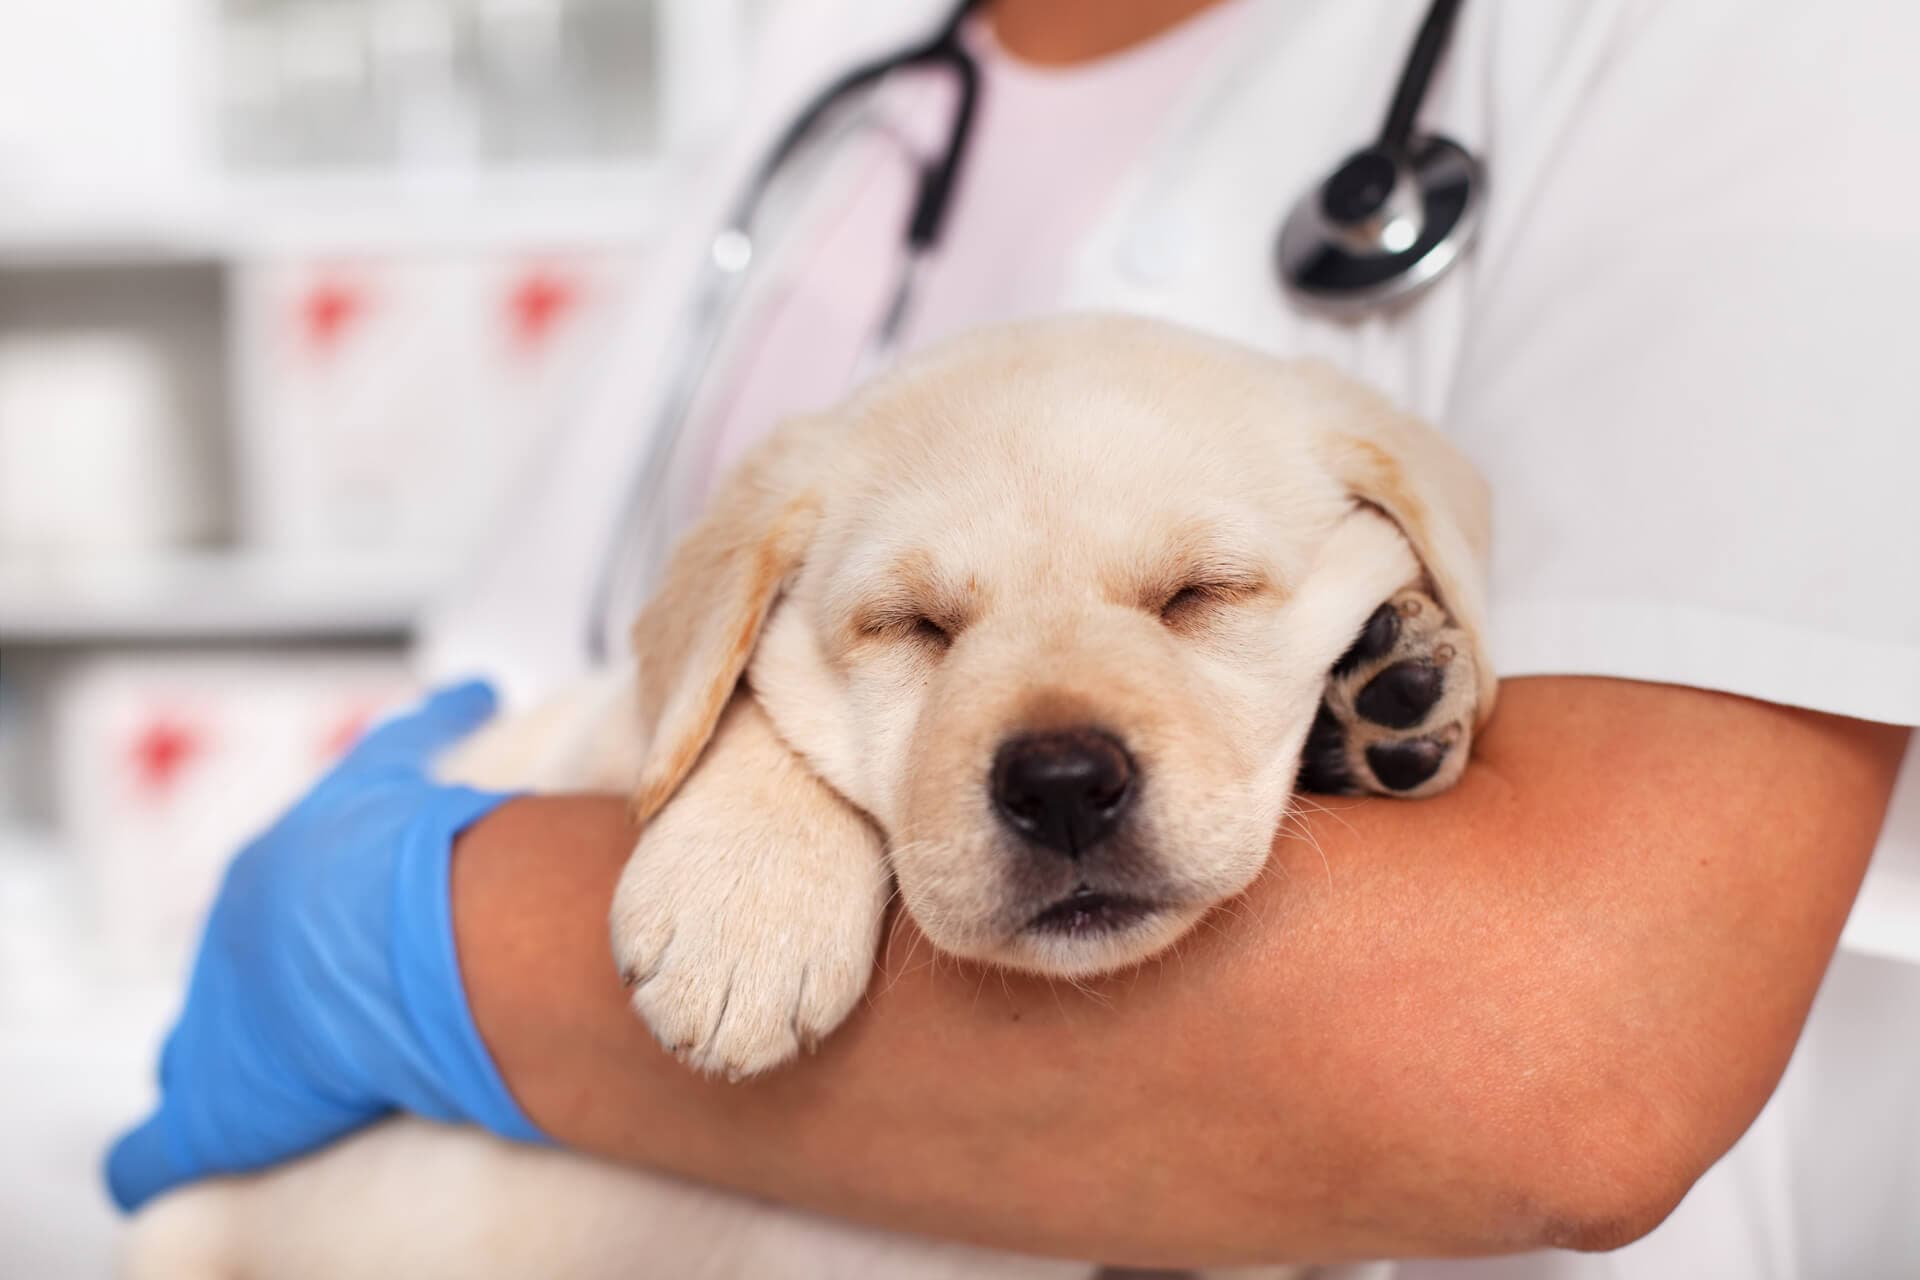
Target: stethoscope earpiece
x=1383 y=226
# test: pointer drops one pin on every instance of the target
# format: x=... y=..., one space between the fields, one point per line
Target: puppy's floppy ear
x=1405 y=467
x=695 y=635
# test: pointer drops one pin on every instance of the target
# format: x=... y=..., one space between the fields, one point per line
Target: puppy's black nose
x=1064 y=790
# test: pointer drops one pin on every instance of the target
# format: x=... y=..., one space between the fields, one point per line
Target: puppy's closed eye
x=927 y=631
x=1194 y=603
x=892 y=622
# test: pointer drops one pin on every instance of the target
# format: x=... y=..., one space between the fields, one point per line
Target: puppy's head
x=1055 y=605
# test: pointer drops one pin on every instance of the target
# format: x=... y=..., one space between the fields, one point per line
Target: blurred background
x=287 y=288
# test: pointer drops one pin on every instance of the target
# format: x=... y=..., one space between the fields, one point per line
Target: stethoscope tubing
x=732 y=255
x=1320 y=270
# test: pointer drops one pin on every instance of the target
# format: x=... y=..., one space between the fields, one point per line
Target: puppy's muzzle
x=1063 y=791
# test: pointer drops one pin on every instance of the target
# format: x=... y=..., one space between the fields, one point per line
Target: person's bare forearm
x=1530 y=1011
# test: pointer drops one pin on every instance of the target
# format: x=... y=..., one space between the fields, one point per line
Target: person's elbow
x=1589 y=1145
x=1617 y=1197
x=1557 y=1160
x=1607 y=1163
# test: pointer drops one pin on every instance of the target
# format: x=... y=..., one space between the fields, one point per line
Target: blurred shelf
x=535 y=208
x=504 y=209
x=213 y=595
x=85 y=234
x=29 y=852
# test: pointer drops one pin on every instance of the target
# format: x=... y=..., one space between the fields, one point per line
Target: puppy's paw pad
x=1402 y=766
x=1398 y=711
x=1402 y=695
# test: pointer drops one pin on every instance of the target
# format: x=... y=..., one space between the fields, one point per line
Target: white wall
x=103 y=98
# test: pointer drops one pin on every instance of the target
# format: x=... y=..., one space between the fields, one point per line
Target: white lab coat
x=1682 y=353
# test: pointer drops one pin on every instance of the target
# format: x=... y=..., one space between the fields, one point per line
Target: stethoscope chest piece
x=1386 y=225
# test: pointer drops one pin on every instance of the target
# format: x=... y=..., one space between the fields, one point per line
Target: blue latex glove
x=327 y=992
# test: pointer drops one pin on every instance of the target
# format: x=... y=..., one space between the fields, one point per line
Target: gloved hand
x=327 y=992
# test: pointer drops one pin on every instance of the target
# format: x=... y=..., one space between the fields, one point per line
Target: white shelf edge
x=364 y=213
x=239 y=596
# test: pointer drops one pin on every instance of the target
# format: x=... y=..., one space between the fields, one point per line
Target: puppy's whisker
x=905 y=965
x=1318 y=806
x=893 y=933
x=1053 y=990
x=1093 y=993
x=912 y=948
x=1254 y=909
x=1293 y=825
x=1236 y=911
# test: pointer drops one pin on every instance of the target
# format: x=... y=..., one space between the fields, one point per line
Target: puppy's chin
x=1082 y=936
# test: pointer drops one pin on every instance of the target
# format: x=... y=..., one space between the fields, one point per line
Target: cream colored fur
x=978 y=545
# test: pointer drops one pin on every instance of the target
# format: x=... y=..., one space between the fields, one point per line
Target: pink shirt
x=1050 y=148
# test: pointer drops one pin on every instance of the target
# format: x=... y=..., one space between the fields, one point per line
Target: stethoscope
x=1381 y=228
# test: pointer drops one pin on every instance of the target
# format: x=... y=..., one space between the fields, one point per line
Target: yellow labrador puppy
x=1043 y=629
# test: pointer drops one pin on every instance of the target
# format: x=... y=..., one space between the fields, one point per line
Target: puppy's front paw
x=738 y=956
x=1397 y=718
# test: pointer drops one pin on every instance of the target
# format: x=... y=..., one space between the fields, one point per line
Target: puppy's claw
x=1397 y=718
x=635 y=976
